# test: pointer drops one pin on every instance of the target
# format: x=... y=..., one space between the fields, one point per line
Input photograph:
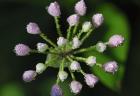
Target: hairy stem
x=58 y=26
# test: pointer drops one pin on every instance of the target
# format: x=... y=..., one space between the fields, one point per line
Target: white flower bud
x=111 y=66
x=97 y=19
x=91 y=80
x=42 y=47
x=100 y=47
x=76 y=87
x=76 y=43
x=62 y=75
x=61 y=41
x=86 y=26
x=75 y=66
x=91 y=60
x=40 y=67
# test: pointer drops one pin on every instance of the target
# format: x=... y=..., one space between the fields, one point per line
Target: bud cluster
x=67 y=49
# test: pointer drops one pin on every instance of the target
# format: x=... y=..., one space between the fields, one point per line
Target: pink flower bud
x=115 y=40
x=33 y=28
x=21 y=50
x=110 y=66
x=76 y=87
x=29 y=75
x=56 y=91
x=80 y=8
x=91 y=80
x=97 y=19
x=73 y=19
x=54 y=9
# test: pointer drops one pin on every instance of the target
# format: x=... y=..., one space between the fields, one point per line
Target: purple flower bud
x=56 y=91
x=21 y=50
x=73 y=19
x=33 y=28
x=110 y=66
x=91 y=80
x=80 y=8
x=54 y=9
x=76 y=87
x=115 y=40
x=97 y=19
x=29 y=75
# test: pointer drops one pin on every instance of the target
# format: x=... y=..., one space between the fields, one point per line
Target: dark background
x=15 y=14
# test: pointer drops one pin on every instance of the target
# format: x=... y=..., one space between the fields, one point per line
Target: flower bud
x=76 y=43
x=115 y=40
x=61 y=41
x=56 y=91
x=54 y=9
x=86 y=26
x=75 y=66
x=91 y=80
x=40 y=67
x=29 y=75
x=22 y=50
x=80 y=8
x=73 y=19
x=97 y=19
x=76 y=87
x=91 y=60
x=42 y=47
x=100 y=47
x=111 y=67
x=33 y=28
x=62 y=75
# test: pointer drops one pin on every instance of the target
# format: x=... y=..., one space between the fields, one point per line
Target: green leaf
x=115 y=22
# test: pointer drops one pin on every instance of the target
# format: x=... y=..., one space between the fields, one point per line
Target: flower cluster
x=67 y=47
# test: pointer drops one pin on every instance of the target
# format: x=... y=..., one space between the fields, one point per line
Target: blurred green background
x=121 y=17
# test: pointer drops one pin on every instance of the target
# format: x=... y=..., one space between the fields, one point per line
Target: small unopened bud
x=100 y=47
x=80 y=8
x=63 y=75
x=115 y=40
x=42 y=47
x=76 y=87
x=76 y=43
x=54 y=9
x=86 y=26
x=91 y=80
x=111 y=67
x=40 y=67
x=73 y=19
x=75 y=66
x=29 y=75
x=33 y=28
x=56 y=91
x=22 y=50
x=61 y=41
x=97 y=19
x=91 y=60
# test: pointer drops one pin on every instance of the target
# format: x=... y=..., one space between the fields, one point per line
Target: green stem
x=82 y=72
x=98 y=64
x=58 y=26
x=84 y=49
x=79 y=35
x=78 y=58
x=35 y=51
x=42 y=35
x=69 y=32
x=86 y=36
x=75 y=29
